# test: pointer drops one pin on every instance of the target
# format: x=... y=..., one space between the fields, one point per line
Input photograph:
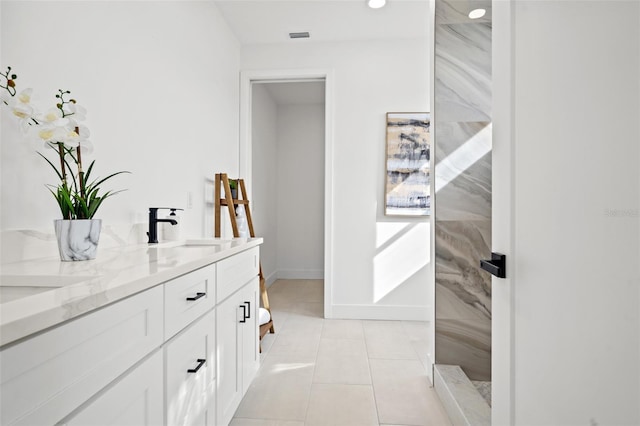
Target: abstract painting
x=407 y=189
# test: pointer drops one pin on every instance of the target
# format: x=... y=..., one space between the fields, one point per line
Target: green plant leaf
x=51 y=164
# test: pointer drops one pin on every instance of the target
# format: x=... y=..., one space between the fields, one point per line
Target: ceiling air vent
x=299 y=35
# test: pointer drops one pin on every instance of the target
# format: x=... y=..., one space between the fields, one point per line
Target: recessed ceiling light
x=477 y=13
x=299 y=35
x=376 y=4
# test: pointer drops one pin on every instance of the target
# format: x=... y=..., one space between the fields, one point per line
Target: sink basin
x=14 y=287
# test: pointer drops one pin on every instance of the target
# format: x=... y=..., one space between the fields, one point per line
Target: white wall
x=566 y=345
x=265 y=165
x=380 y=264
x=300 y=191
x=288 y=185
x=160 y=81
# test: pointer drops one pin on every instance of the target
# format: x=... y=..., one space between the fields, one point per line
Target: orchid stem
x=63 y=169
x=80 y=171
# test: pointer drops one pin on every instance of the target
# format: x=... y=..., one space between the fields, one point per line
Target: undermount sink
x=14 y=287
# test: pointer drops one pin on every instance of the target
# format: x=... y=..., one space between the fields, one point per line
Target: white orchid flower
x=22 y=111
x=52 y=134
x=77 y=135
x=86 y=147
x=82 y=130
x=73 y=123
x=24 y=97
x=53 y=116
x=78 y=112
x=20 y=107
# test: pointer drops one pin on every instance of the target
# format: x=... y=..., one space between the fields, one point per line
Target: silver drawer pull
x=197 y=296
x=200 y=364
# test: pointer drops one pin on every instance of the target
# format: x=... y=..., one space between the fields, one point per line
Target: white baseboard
x=300 y=274
x=381 y=312
x=271 y=278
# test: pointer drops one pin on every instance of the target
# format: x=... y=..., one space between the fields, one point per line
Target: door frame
x=247 y=79
x=503 y=326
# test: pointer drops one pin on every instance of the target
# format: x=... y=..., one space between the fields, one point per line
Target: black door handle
x=496 y=266
x=244 y=313
x=248 y=309
x=197 y=296
x=198 y=367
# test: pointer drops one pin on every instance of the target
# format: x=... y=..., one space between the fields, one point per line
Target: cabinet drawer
x=188 y=297
x=235 y=271
x=190 y=360
x=135 y=399
x=48 y=376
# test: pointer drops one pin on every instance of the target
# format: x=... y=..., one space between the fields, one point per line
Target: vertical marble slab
x=463 y=75
x=462 y=180
x=463 y=163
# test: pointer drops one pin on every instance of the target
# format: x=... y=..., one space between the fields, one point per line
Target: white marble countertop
x=40 y=293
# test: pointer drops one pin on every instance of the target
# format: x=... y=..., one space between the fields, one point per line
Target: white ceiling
x=271 y=21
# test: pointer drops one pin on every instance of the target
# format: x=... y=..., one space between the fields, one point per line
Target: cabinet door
x=190 y=360
x=229 y=375
x=135 y=400
x=48 y=376
x=250 y=335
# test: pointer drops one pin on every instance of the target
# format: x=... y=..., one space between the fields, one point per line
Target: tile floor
x=338 y=372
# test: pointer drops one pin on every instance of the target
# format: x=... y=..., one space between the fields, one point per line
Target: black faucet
x=153 y=222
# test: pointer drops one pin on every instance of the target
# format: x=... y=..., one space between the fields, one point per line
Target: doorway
x=285 y=151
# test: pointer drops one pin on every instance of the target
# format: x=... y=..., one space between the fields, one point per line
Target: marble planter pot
x=77 y=239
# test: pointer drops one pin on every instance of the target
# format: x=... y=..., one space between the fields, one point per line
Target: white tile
x=388 y=340
x=342 y=347
x=342 y=361
x=279 y=317
x=280 y=390
x=343 y=329
x=416 y=330
x=350 y=370
x=348 y=405
x=308 y=309
x=338 y=372
x=236 y=421
x=403 y=394
x=297 y=290
x=303 y=345
x=265 y=344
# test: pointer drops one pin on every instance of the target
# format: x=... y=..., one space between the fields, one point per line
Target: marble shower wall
x=462 y=130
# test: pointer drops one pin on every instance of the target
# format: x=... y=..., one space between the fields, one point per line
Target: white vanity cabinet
x=134 y=400
x=50 y=375
x=165 y=356
x=237 y=330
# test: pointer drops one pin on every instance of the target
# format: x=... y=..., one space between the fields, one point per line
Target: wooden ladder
x=222 y=182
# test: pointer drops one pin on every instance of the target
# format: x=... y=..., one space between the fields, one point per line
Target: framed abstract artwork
x=407 y=188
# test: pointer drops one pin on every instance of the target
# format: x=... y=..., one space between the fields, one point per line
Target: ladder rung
x=223 y=202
